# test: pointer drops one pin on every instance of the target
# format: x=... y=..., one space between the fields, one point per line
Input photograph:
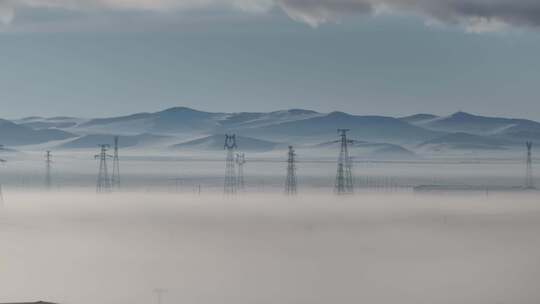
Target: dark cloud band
x=475 y=14
x=471 y=12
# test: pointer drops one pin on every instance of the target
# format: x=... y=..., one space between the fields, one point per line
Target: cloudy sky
x=391 y=57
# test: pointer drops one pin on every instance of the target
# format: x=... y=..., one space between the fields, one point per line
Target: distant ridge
x=364 y=128
x=305 y=127
x=370 y=150
x=12 y=134
x=475 y=124
x=125 y=141
x=416 y=118
x=464 y=141
x=216 y=142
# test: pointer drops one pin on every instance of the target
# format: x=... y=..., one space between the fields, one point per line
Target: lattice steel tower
x=159 y=294
x=2 y=161
x=344 y=179
x=48 y=162
x=115 y=179
x=290 y=182
x=103 y=181
x=230 y=174
x=529 y=180
x=240 y=161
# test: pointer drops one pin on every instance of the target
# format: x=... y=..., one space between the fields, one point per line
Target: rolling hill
x=279 y=126
x=216 y=142
x=464 y=141
x=125 y=141
x=60 y=122
x=186 y=120
x=12 y=134
x=370 y=150
x=418 y=118
x=363 y=128
x=474 y=124
x=295 y=126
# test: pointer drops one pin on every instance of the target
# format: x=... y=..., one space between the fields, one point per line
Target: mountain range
x=182 y=128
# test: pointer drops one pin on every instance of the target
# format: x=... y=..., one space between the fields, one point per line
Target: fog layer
x=388 y=248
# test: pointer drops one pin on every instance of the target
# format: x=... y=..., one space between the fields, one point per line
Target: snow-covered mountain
x=371 y=150
x=472 y=124
x=464 y=141
x=216 y=142
x=419 y=118
x=60 y=122
x=363 y=128
x=195 y=129
x=12 y=134
x=182 y=120
x=125 y=141
x=294 y=125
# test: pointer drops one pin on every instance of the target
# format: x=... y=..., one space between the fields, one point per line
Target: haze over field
x=384 y=244
x=82 y=248
x=269 y=151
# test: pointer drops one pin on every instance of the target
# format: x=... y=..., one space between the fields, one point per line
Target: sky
x=95 y=58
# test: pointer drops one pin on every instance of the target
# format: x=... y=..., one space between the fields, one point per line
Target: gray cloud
x=7 y=13
x=317 y=12
x=475 y=15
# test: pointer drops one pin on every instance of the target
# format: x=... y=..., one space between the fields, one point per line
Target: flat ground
x=390 y=248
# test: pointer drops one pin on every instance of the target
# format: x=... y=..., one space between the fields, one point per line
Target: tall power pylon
x=230 y=174
x=103 y=181
x=290 y=182
x=529 y=180
x=240 y=161
x=115 y=179
x=344 y=179
x=159 y=295
x=48 y=162
x=2 y=161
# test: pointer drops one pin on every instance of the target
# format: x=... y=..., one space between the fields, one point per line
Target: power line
x=115 y=179
x=2 y=161
x=48 y=162
x=240 y=162
x=529 y=179
x=230 y=174
x=290 y=182
x=344 y=180
x=103 y=181
x=159 y=295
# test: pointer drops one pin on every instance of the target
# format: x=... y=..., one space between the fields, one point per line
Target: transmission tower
x=230 y=174
x=529 y=180
x=103 y=180
x=48 y=162
x=159 y=294
x=2 y=161
x=115 y=179
x=290 y=183
x=240 y=161
x=344 y=180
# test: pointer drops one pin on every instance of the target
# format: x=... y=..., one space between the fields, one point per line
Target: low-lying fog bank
x=82 y=248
